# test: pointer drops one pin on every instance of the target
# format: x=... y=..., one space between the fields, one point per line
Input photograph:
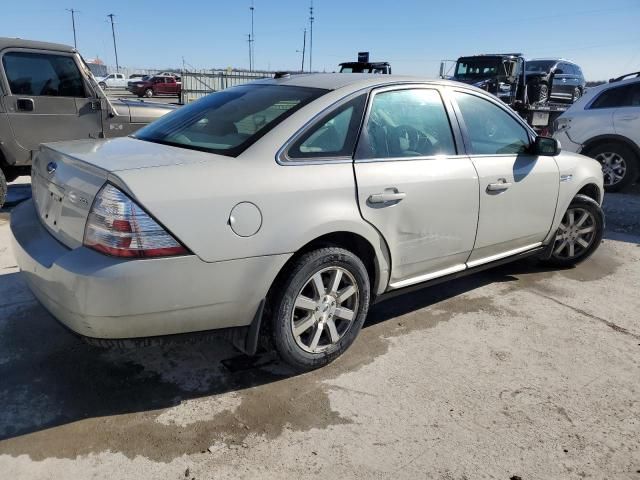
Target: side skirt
x=463 y=273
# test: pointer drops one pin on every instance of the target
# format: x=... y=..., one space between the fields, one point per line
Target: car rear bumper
x=105 y=297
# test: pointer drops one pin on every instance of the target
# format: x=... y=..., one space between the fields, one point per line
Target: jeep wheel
x=148 y=93
x=579 y=234
x=319 y=307
x=103 y=85
x=3 y=188
x=620 y=165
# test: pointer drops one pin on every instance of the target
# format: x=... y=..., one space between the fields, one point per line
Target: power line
x=113 y=33
x=73 y=23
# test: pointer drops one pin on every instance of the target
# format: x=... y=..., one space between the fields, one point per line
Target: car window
x=407 y=123
x=491 y=130
x=229 y=121
x=623 y=96
x=43 y=75
x=334 y=135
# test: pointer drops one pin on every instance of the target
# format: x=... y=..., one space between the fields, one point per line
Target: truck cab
x=48 y=94
x=499 y=74
x=366 y=67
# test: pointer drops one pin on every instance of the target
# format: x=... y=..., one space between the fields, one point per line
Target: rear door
x=626 y=118
x=414 y=186
x=47 y=99
x=518 y=191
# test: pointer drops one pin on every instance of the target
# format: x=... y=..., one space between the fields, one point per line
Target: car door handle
x=500 y=186
x=389 y=195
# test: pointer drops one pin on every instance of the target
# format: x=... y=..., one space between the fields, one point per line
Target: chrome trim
x=566 y=178
x=502 y=255
x=428 y=276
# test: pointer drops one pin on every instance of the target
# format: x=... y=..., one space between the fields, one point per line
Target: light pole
x=252 y=40
x=311 y=19
x=304 y=47
x=73 y=23
x=113 y=33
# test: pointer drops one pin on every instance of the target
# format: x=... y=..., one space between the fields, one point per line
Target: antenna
x=115 y=49
x=73 y=23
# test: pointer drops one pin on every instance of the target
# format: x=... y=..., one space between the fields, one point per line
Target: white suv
x=605 y=124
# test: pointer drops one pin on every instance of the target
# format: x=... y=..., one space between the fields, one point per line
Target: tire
x=577 y=93
x=541 y=93
x=583 y=214
x=620 y=165
x=103 y=85
x=297 y=302
x=148 y=93
x=3 y=188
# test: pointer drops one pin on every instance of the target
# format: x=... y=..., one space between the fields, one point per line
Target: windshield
x=540 y=66
x=478 y=68
x=228 y=122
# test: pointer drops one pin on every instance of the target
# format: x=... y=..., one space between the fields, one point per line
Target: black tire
x=103 y=85
x=581 y=203
x=283 y=307
x=3 y=188
x=148 y=93
x=541 y=93
x=630 y=159
x=575 y=96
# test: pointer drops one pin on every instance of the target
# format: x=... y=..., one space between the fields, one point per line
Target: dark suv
x=554 y=79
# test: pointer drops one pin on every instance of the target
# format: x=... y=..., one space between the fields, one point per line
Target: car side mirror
x=546 y=147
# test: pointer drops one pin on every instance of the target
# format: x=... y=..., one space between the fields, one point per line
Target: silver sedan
x=286 y=207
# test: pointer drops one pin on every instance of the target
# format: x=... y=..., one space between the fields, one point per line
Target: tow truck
x=504 y=75
x=363 y=65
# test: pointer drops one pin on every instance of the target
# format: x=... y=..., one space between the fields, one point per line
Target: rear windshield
x=228 y=122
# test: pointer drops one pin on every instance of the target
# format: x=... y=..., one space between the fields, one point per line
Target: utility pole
x=252 y=40
x=115 y=49
x=304 y=47
x=73 y=22
x=250 y=62
x=311 y=19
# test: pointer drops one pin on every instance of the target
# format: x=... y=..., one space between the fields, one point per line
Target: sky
x=602 y=37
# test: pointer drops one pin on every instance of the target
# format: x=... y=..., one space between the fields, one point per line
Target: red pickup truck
x=159 y=85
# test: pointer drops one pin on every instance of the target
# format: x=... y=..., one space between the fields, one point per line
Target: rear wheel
x=320 y=307
x=619 y=165
x=579 y=234
x=3 y=188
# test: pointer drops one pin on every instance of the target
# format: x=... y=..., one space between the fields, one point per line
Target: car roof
x=7 y=42
x=355 y=81
x=551 y=60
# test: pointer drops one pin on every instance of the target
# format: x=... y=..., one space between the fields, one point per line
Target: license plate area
x=540 y=119
x=48 y=197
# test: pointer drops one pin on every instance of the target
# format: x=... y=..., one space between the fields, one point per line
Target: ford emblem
x=51 y=167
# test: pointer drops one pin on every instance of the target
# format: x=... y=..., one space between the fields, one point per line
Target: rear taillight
x=118 y=226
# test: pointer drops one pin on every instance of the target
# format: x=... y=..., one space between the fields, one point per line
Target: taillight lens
x=118 y=226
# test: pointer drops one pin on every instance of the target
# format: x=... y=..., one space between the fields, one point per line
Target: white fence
x=200 y=83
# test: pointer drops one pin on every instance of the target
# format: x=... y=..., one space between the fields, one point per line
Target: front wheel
x=103 y=85
x=579 y=234
x=319 y=307
x=148 y=93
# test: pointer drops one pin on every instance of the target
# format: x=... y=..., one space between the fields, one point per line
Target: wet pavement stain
x=94 y=401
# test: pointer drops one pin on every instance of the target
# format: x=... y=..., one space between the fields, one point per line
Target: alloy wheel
x=614 y=167
x=324 y=309
x=575 y=234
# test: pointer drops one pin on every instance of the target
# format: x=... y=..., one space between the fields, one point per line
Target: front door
x=414 y=187
x=47 y=99
x=518 y=191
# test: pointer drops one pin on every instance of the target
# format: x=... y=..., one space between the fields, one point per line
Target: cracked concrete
x=518 y=372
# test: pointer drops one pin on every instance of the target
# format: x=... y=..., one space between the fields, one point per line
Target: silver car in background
x=285 y=207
